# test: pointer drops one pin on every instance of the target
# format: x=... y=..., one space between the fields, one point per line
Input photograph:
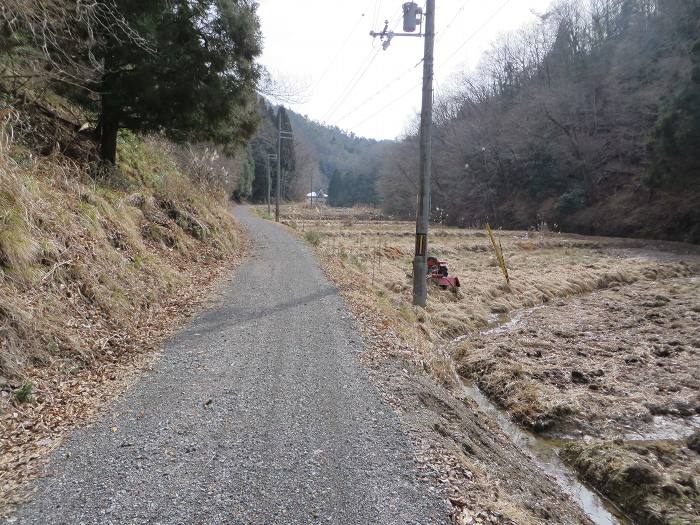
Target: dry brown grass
x=92 y=276
x=654 y=482
x=370 y=258
x=485 y=483
x=543 y=267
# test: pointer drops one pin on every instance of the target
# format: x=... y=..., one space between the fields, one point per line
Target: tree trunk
x=109 y=126
x=109 y=118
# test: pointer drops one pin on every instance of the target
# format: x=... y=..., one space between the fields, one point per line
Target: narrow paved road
x=295 y=433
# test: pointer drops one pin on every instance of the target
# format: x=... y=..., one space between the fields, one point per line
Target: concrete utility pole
x=412 y=17
x=270 y=156
x=420 y=261
x=281 y=135
x=279 y=164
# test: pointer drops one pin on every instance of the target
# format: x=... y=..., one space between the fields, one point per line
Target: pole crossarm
x=391 y=34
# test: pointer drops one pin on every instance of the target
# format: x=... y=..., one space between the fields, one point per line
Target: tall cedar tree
x=288 y=157
x=197 y=82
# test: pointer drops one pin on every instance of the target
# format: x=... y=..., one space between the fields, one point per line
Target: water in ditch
x=546 y=456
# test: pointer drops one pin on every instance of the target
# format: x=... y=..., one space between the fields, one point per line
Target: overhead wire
x=376 y=13
x=389 y=104
x=378 y=92
x=452 y=21
x=477 y=31
x=333 y=61
x=457 y=50
x=409 y=70
x=357 y=77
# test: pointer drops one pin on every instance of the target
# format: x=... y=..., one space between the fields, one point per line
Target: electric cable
x=389 y=104
x=452 y=21
x=353 y=82
x=378 y=92
x=477 y=31
x=461 y=46
x=342 y=48
x=356 y=79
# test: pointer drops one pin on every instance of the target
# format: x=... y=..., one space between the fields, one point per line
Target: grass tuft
x=24 y=393
x=313 y=237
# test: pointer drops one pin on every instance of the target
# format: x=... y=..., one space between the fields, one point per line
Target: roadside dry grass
x=93 y=275
x=576 y=306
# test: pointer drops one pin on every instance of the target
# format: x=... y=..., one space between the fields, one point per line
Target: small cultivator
x=438 y=274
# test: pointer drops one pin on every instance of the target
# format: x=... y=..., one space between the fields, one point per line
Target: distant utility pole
x=270 y=156
x=413 y=16
x=281 y=135
x=311 y=187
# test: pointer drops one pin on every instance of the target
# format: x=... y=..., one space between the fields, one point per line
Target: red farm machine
x=438 y=274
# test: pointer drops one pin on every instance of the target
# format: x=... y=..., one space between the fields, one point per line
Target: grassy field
x=595 y=340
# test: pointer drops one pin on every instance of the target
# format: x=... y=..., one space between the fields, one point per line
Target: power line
x=461 y=46
x=379 y=91
x=477 y=31
x=342 y=48
x=348 y=89
x=353 y=82
x=452 y=21
x=376 y=13
x=389 y=104
x=409 y=70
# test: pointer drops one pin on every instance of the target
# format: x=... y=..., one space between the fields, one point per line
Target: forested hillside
x=318 y=158
x=588 y=121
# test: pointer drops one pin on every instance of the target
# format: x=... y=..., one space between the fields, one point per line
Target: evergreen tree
x=288 y=158
x=335 y=190
x=244 y=187
x=198 y=79
x=676 y=140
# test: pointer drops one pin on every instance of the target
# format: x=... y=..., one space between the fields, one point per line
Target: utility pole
x=279 y=164
x=270 y=156
x=281 y=135
x=420 y=261
x=413 y=16
x=311 y=187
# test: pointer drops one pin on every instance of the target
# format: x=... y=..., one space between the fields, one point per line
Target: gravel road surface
x=259 y=412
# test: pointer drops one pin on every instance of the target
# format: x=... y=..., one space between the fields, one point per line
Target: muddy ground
x=595 y=342
x=617 y=363
x=617 y=374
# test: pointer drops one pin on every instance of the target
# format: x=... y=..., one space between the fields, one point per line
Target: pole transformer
x=420 y=261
